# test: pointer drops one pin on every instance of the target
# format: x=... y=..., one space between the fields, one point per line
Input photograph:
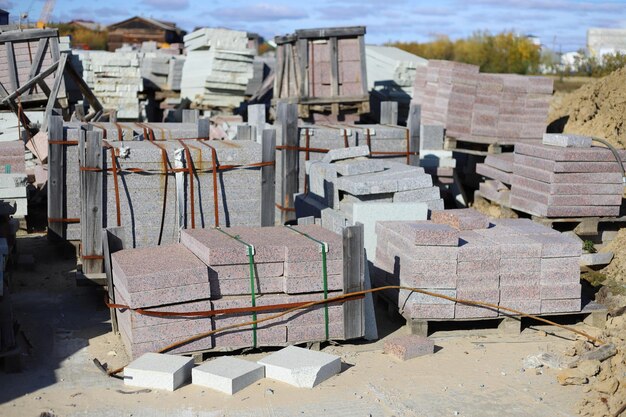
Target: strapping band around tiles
x=282 y=208
x=360 y=294
x=324 y=250
x=250 y=250
x=63 y=220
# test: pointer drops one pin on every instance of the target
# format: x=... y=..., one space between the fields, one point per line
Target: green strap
x=324 y=247
x=252 y=285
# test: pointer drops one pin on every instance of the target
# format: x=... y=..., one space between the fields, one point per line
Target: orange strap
x=281 y=208
x=115 y=182
x=63 y=142
x=63 y=220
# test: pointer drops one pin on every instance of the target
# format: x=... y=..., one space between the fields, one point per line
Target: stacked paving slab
x=460 y=253
x=562 y=177
x=13 y=178
x=210 y=270
x=436 y=161
x=218 y=67
x=480 y=107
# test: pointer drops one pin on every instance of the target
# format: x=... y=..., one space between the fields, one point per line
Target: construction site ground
x=472 y=373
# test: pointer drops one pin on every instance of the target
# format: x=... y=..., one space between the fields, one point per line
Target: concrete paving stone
x=345 y=153
x=491 y=295
x=596 y=259
x=560 y=306
x=593 y=154
x=420 y=195
x=519 y=277
x=167 y=329
x=555 y=246
x=566 y=166
x=463 y=311
x=424 y=233
x=299 y=333
x=562 y=264
x=461 y=219
x=270 y=335
x=520 y=292
x=428 y=311
x=296 y=285
x=404 y=248
x=567 y=178
x=493 y=173
x=227 y=374
x=558 y=291
x=520 y=264
x=241 y=286
x=472 y=267
x=312 y=269
x=566 y=140
x=356 y=167
x=158 y=371
x=478 y=281
x=518 y=247
x=302 y=251
x=525 y=227
x=502 y=161
x=410 y=297
x=408 y=347
x=525 y=306
x=264 y=270
x=566 y=189
x=300 y=367
x=135 y=350
x=560 y=277
x=475 y=247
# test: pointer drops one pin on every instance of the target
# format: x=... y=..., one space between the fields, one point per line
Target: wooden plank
x=14 y=36
x=10 y=54
x=363 y=64
x=287 y=121
x=52 y=98
x=91 y=202
x=413 y=122
x=280 y=61
x=38 y=61
x=54 y=48
x=303 y=66
x=31 y=82
x=56 y=176
x=350 y=31
x=334 y=68
x=268 y=178
x=389 y=113
x=353 y=280
x=112 y=241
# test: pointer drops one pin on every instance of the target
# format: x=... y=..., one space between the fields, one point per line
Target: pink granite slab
x=520 y=264
x=474 y=267
x=560 y=306
x=555 y=246
x=461 y=219
x=242 y=286
x=462 y=311
x=424 y=233
x=313 y=268
x=525 y=306
x=409 y=347
x=515 y=277
x=595 y=153
x=315 y=332
x=566 y=178
x=560 y=290
x=476 y=294
x=162 y=296
x=566 y=189
x=296 y=285
x=476 y=247
x=520 y=292
x=566 y=167
x=428 y=311
x=223 y=272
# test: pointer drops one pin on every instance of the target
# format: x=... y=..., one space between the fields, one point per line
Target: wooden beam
x=363 y=65
x=38 y=61
x=52 y=98
x=56 y=177
x=287 y=122
x=91 y=223
x=31 y=82
x=10 y=53
x=413 y=123
x=268 y=178
x=334 y=68
x=353 y=280
x=350 y=31
x=303 y=66
x=27 y=35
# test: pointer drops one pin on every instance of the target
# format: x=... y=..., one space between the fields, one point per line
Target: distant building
x=138 y=29
x=4 y=17
x=606 y=41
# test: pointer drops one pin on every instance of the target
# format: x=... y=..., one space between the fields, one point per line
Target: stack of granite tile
x=498 y=169
x=210 y=270
x=463 y=254
x=479 y=107
x=553 y=180
x=434 y=159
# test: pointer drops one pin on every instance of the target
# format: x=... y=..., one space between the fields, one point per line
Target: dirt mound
x=617 y=268
x=596 y=109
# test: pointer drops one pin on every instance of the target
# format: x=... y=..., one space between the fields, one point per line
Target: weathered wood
x=331 y=32
x=389 y=113
x=52 y=99
x=353 y=280
x=287 y=122
x=90 y=146
x=26 y=35
x=334 y=67
x=280 y=61
x=54 y=48
x=268 y=178
x=38 y=61
x=12 y=66
x=19 y=91
x=303 y=59
x=112 y=241
x=363 y=64
x=56 y=177
x=413 y=123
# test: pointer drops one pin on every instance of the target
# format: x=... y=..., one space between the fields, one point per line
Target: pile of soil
x=616 y=270
x=596 y=109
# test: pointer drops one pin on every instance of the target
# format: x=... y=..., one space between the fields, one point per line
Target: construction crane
x=46 y=12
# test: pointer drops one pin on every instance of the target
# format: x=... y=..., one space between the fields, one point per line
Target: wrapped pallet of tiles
x=217 y=69
x=238 y=268
x=463 y=254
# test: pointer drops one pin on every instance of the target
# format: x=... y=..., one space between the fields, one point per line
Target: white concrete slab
x=158 y=371
x=227 y=374
x=300 y=367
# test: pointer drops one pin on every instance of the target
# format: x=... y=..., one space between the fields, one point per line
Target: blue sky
x=559 y=23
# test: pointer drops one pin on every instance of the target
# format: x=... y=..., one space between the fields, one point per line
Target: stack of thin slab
x=13 y=179
x=484 y=108
x=552 y=180
x=218 y=67
x=463 y=254
x=498 y=169
x=433 y=158
x=210 y=270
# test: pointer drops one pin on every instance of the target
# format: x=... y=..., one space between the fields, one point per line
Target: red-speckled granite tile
x=475 y=247
x=313 y=268
x=525 y=306
x=560 y=306
x=424 y=233
x=519 y=278
x=555 y=292
x=462 y=311
x=166 y=295
x=520 y=264
x=556 y=246
x=520 y=292
x=296 y=285
x=409 y=347
x=274 y=269
x=461 y=219
x=316 y=332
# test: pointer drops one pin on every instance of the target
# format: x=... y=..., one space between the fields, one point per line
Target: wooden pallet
x=480 y=148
